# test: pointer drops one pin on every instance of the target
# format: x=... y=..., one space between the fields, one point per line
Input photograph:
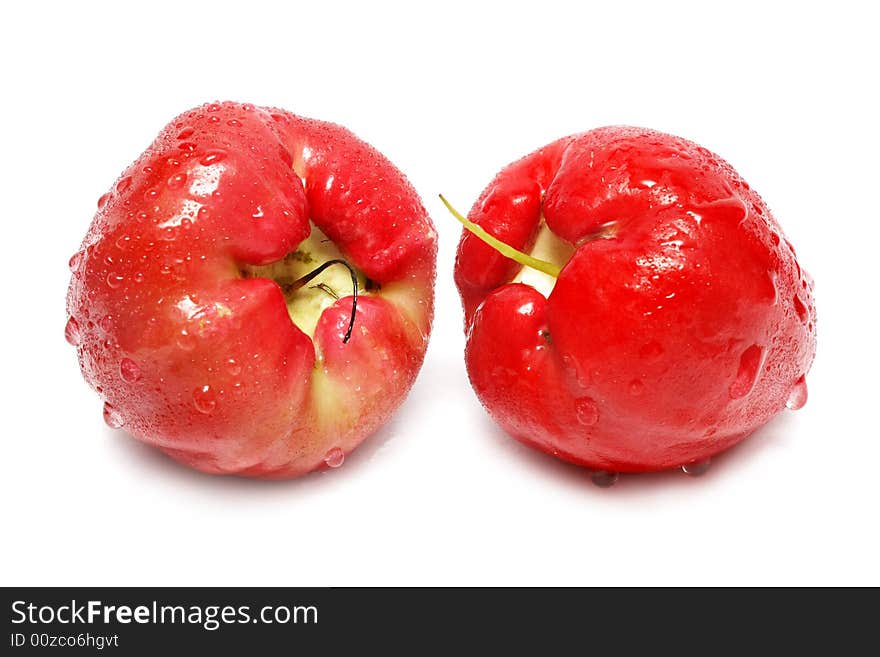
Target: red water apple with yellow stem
x=631 y=304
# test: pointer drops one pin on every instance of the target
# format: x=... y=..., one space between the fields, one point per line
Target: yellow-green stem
x=504 y=249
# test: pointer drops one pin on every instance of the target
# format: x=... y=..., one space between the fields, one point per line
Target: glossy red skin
x=177 y=306
x=663 y=345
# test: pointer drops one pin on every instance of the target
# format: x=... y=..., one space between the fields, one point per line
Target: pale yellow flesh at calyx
x=549 y=248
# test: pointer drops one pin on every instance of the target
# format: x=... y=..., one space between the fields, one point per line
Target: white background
x=784 y=91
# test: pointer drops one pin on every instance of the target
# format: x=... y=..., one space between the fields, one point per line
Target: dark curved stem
x=298 y=283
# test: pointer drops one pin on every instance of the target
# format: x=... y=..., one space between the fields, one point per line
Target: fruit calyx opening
x=312 y=278
x=549 y=268
x=290 y=288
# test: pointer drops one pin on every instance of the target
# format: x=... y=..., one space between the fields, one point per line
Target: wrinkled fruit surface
x=181 y=305
x=681 y=320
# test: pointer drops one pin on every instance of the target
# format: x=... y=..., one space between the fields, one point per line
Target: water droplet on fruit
x=800 y=308
x=798 y=395
x=652 y=349
x=114 y=280
x=334 y=458
x=233 y=367
x=204 y=399
x=603 y=478
x=106 y=323
x=75 y=261
x=112 y=417
x=176 y=181
x=213 y=156
x=770 y=291
x=186 y=133
x=71 y=332
x=186 y=341
x=123 y=242
x=123 y=184
x=129 y=370
x=749 y=366
x=286 y=157
x=102 y=201
x=587 y=411
x=696 y=468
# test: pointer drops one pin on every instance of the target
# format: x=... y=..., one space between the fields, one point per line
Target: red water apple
x=631 y=304
x=255 y=293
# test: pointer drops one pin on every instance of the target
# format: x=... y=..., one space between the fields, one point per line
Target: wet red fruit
x=212 y=299
x=671 y=320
